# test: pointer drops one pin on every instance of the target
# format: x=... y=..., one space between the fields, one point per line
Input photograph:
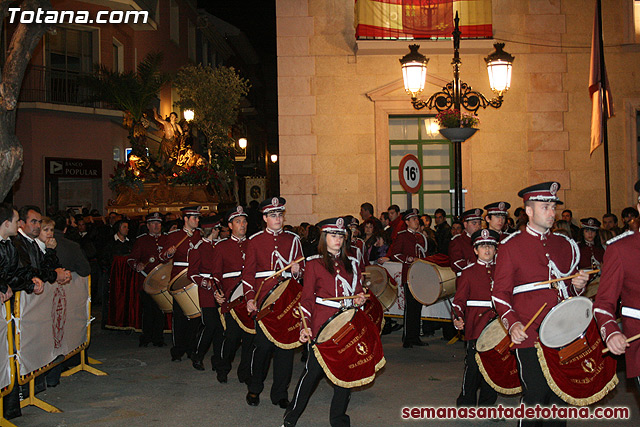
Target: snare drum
x=185 y=293
x=566 y=322
x=381 y=285
x=156 y=284
x=279 y=316
x=429 y=282
x=158 y=278
x=164 y=301
x=349 y=349
x=238 y=310
x=491 y=335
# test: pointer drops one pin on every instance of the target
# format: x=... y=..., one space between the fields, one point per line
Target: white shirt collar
x=537 y=234
x=25 y=235
x=115 y=237
x=41 y=245
x=274 y=232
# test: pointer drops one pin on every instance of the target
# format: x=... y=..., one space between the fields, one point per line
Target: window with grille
x=418 y=135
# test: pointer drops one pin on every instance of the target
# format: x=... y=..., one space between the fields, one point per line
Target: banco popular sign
x=73 y=168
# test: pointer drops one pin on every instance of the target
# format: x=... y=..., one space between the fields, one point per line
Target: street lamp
x=242 y=143
x=457 y=94
x=188 y=115
x=274 y=158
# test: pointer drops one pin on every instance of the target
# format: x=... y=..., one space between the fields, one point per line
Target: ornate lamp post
x=457 y=94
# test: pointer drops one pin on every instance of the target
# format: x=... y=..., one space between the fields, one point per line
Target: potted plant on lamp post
x=457 y=126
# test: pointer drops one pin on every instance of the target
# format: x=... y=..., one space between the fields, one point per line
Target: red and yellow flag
x=421 y=19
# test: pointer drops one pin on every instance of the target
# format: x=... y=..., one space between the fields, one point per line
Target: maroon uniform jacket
x=180 y=259
x=621 y=279
x=408 y=246
x=319 y=283
x=525 y=259
x=147 y=250
x=267 y=252
x=591 y=255
x=229 y=258
x=201 y=262
x=472 y=302
x=397 y=225
x=357 y=246
x=461 y=252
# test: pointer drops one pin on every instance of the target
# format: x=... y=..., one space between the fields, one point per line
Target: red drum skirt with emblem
x=374 y=310
x=279 y=315
x=500 y=370
x=238 y=308
x=584 y=378
x=349 y=349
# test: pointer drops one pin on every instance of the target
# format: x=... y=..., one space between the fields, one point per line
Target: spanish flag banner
x=421 y=19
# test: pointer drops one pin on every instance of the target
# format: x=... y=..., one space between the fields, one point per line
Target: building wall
x=335 y=99
x=50 y=130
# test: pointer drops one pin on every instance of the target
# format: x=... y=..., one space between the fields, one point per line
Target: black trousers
x=152 y=320
x=412 y=309
x=309 y=379
x=233 y=336
x=472 y=380
x=282 y=367
x=210 y=332
x=535 y=389
x=184 y=332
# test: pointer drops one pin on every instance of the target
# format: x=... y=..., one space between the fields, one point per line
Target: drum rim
x=333 y=316
x=272 y=290
x=576 y=298
x=178 y=276
x=158 y=267
x=411 y=287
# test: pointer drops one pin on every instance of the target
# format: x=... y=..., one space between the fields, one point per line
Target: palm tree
x=132 y=92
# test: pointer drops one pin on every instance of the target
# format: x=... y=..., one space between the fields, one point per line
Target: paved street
x=144 y=388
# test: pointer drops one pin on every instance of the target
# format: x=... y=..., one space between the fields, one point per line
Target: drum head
x=566 y=322
x=237 y=292
x=491 y=335
x=181 y=281
x=333 y=325
x=377 y=279
x=275 y=293
x=424 y=282
x=158 y=278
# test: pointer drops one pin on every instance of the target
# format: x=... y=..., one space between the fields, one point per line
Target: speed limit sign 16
x=410 y=173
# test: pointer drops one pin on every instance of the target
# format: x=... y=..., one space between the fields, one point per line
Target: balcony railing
x=44 y=84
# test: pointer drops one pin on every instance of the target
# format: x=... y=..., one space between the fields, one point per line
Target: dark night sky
x=256 y=18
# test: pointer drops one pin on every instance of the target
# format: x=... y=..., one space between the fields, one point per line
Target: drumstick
x=276 y=273
x=343 y=298
x=531 y=321
x=559 y=279
x=633 y=338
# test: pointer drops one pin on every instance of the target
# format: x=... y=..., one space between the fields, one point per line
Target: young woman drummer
x=331 y=273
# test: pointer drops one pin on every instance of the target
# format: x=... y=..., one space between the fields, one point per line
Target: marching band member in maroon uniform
x=201 y=266
x=229 y=259
x=472 y=308
x=591 y=251
x=460 y=247
x=409 y=245
x=332 y=273
x=527 y=258
x=620 y=279
x=174 y=247
x=356 y=243
x=267 y=252
x=144 y=257
x=497 y=216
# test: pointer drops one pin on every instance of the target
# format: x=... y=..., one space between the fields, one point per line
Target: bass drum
x=429 y=282
x=185 y=292
x=381 y=285
x=158 y=279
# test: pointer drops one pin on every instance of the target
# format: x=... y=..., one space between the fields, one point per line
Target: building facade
x=345 y=120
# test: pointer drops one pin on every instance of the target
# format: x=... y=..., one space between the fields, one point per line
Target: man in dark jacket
x=69 y=252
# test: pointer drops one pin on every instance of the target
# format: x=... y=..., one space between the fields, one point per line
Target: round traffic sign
x=410 y=173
